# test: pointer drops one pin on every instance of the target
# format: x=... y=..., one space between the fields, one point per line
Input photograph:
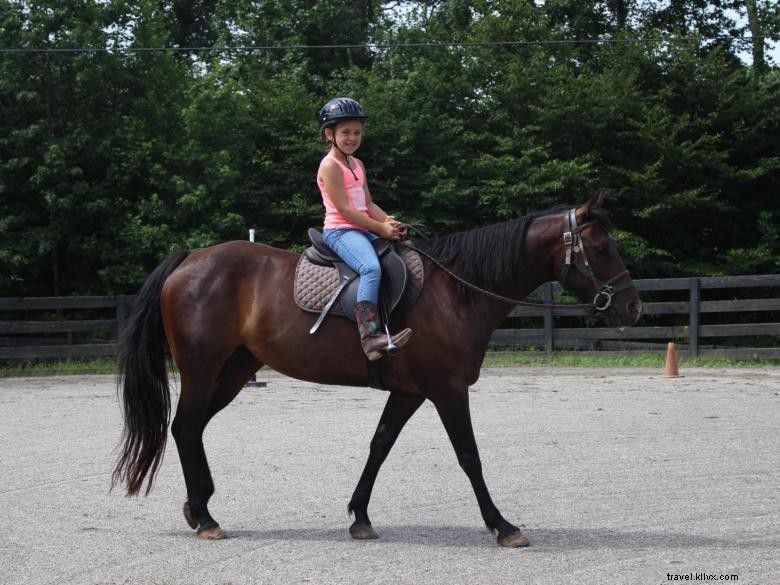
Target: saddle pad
x=315 y=285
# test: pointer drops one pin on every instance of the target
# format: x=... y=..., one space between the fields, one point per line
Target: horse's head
x=590 y=266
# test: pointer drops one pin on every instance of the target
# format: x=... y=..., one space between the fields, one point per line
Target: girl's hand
x=390 y=231
x=403 y=230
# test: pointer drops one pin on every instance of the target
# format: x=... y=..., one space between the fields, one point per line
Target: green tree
x=111 y=157
x=85 y=137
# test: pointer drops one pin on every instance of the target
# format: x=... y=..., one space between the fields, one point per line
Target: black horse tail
x=142 y=383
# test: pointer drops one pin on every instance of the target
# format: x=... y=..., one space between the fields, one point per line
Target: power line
x=379 y=46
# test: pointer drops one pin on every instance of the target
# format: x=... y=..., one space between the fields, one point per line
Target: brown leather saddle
x=322 y=278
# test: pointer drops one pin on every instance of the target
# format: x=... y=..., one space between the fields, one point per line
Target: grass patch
x=493 y=359
x=57 y=368
x=498 y=359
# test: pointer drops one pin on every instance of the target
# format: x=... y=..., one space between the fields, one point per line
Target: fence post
x=120 y=314
x=253 y=381
x=548 y=319
x=694 y=316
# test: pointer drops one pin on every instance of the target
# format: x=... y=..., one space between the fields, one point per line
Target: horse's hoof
x=514 y=540
x=213 y=533
x=189 y=517
x=363 y=532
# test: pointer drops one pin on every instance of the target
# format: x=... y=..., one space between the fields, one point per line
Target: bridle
x=577 y=258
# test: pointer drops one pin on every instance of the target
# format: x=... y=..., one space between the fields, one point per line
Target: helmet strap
x=346 y=156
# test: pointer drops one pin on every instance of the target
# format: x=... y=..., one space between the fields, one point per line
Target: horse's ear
x=595 y=202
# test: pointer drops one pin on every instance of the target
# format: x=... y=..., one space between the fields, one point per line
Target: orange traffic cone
x=671 y=371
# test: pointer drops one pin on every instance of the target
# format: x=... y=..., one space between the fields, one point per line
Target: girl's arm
x=374 y=210
x=331 y=176
x=378 y=213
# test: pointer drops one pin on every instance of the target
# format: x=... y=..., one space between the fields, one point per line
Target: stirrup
x=390 y=345
x=397 y=341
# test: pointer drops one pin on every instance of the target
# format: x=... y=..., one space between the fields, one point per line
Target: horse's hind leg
x=398 y=410
x=187 y=429
x=198 y=403
x=237 y=371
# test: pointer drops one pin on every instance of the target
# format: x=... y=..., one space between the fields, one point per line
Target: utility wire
x=374 y=46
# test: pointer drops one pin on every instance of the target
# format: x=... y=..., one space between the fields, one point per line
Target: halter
x=577 y=258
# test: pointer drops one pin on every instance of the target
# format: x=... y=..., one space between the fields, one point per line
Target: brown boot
x=372 y=338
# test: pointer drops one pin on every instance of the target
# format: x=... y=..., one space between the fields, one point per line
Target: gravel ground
x=617 y=476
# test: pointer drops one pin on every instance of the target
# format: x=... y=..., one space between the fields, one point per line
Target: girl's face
x=347 y=135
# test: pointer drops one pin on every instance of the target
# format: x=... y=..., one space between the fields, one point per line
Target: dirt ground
x=617 y=476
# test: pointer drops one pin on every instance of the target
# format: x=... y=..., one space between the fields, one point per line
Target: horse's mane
x=491 y=256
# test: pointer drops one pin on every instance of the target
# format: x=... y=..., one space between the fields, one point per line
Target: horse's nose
x=635 y=309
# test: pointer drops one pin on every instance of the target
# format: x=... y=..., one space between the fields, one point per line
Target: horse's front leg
x=398 y=410
x=454 y=412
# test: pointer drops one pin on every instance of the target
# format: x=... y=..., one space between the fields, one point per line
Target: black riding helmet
x=340 y=109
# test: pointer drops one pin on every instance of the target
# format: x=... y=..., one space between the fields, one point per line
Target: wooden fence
x=696 y=299
x=57 y=334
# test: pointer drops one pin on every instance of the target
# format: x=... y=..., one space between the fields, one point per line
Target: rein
x=493 y=295
x=574 y=249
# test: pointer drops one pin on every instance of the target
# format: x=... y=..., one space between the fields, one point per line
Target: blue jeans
x=355 y=248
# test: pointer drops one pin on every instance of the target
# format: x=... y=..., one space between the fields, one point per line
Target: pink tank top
x=356 y=195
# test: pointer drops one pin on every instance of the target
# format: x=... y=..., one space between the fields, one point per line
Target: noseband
x=578 y=259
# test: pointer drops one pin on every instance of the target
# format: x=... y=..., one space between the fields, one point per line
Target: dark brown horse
x=226 y=311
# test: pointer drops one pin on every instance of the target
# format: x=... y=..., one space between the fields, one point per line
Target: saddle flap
x=394 y=281
x=315 y=283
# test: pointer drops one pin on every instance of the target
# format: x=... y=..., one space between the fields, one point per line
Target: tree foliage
x=112 y=155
